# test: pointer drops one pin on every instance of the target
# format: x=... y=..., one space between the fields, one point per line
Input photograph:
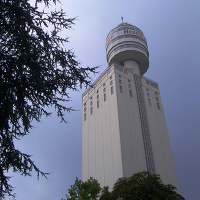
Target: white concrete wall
x=162 y=152
x=101 y=147
x=112 y=143
x=133 y=155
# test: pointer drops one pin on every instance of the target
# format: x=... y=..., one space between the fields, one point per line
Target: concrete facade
x=123 y=127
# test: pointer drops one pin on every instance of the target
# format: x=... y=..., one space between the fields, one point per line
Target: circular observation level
x=127 y=42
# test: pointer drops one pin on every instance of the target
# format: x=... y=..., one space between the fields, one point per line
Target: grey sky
x=172 y=30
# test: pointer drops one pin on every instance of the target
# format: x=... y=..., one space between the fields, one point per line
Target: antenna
x=122 y=19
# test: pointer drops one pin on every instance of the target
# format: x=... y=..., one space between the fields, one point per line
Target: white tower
x=123 y=127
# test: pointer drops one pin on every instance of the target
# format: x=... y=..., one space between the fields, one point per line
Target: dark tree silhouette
x=140 y=186
x=35 y=72
x=88 y=190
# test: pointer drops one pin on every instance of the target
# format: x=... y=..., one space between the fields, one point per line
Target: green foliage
x=140 y=186
x=88 y=190
x=105 y=194
x=35 y=73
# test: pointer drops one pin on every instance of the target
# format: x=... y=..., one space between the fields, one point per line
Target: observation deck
x=127 y=42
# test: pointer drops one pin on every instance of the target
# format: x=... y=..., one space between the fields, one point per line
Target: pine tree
x=35 y=72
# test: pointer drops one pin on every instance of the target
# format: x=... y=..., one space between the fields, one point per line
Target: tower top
x=122 y=19
x=127 y=42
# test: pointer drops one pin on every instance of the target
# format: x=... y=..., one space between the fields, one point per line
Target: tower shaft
x=123 y=127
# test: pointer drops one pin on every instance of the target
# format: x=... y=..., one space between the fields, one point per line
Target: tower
x=123 y=124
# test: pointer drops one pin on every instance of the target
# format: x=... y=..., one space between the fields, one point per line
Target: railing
x=101 y=77
x=151 y=82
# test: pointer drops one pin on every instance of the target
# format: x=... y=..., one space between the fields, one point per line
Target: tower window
x=148 y=94
x=120 y=88
x=158 y=105
x=91 y=110
x=97 y=91
x=129 y=81
x=110 y=77
x=156 y=93
x=119 y=76
x=104 y=85
x=129 y=85
x=98 y=104
x=157 y=99
x=111 y=82
x=91 y=103
x=85 y=109
x=147 y=89
x=90 y=98
x=112 y=90
x=84 y=116
x=149 y=100
x=84 y=104
x=104 y=89
x=97 y=96
x=120 y=81
x=130 y=92
x=104 y=97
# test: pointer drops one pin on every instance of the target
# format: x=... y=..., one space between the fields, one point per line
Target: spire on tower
x=122 y=19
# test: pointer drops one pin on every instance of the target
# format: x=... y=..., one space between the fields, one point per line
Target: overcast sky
x=172 y=30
